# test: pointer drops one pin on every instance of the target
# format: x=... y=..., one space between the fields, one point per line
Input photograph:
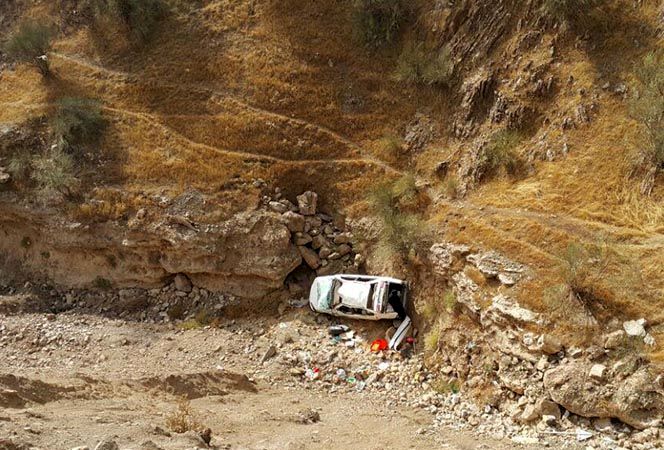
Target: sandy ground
x=71 y=379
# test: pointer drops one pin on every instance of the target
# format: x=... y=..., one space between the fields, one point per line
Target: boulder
x=301 y=239
x=614 y=340
x=443 y=255
x=635 y=328
x=307 y=203
x=182 y=283
x=293 y=221
x=324 y=252
x=278 y=207
x=318 y=242
x=492 y=264
x=504 y=309
x=344 y=249
x=636 y=400
x=597 y=372
x=310 y=257
x=549 y=344
x=342 y=239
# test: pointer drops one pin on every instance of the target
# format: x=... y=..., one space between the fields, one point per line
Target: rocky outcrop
x=248 y=255
x=636 y=400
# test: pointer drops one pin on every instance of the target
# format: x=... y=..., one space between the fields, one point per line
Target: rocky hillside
x=504 y=156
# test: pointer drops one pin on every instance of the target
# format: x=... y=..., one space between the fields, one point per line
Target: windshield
x=324 y=293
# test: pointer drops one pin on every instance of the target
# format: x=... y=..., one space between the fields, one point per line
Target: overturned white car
x=359 y=297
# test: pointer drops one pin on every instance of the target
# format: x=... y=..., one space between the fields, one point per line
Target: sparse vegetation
x=54 y=171
x=378 y=22
x=499 y=155
x=451 y=187
x=451 y=386
x=432 y=339
x=184 y=418
x=420 y=65
x=140 y=17
x=30 y=43
x=568 y=10
x=390 y=149
x=76 y=122
x=20 y=166
x=403 y=231
x=102 y=283
x=647 y=107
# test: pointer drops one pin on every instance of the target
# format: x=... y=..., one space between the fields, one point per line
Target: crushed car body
x=358 y=296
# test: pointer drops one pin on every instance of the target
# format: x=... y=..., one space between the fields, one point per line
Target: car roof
x=363 y=278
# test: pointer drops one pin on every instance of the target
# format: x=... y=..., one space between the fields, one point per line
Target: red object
x=378 y=345
x=410 y=340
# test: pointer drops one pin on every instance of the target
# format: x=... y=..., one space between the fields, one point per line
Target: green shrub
x=402 y=231
x=499 y=154
x=77 y=121
x=141 y=17
x=419 y=65
x=378 y=22
x=647 y=107
x=54 y=172
x=20 y=166
x=30 y=43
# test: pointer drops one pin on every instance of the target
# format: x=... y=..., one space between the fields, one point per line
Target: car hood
x=354 y=294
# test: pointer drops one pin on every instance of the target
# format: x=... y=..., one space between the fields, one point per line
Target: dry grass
x=184 y=418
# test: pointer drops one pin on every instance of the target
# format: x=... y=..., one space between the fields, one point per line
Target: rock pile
x=324 y=242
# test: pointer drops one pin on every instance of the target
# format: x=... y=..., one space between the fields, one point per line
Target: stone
x=443 y=256
x=546 y=407
x=107 y=444
x=4 y=176
x=182 y=283
x=324 y=252
x=301 y=239
x=344 y=249
x=307 y=203
x=633 y=400
x=318 y=242
x=278 y=207
x=505 y=308
x=635 y=328
x=149 y=445
x=603 y=424
x=293 y=221
x=342 y=239
x=310 y=257
x=529 y=414
x=614 y=340
x=549 y=344
x=597 y=371
x=269 y=353
x=492 y=264
x=334 y=255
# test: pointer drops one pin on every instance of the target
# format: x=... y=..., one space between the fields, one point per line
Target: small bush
x=184 y=418
x=378 y=22
x=30 y=43
x=500 y=155
x=446 y=387
x=647 y=107
x=419 y=65
x=140 y=17
x=432 y=339
x=77 y=121
x=102 y=283
x=451 y=187
x=54 y=172
x=403 y=231
x=390 y=149
x=20 y=167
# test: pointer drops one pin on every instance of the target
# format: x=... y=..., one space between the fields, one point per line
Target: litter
x=336 y=330
x=379 y=345
x=312 y=374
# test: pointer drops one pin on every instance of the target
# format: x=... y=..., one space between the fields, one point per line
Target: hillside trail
x=582 y=228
